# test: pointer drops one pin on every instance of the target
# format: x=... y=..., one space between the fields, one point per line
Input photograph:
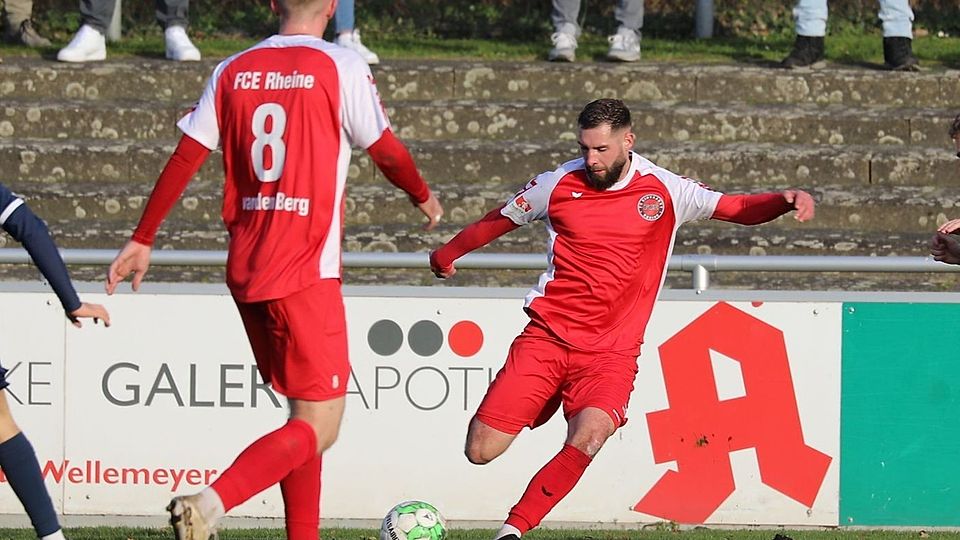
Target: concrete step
x=761 y=164
x=504 y=81
x=833 y=125
x=518 y=121
x=863 y=220
x=68 y=120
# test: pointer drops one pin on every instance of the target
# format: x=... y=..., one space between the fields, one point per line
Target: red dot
x=465 y=338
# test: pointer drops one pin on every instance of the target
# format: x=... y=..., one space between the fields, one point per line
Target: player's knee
x=478 y=455
x=590 y=441
x=592 y=446
x=324 y=443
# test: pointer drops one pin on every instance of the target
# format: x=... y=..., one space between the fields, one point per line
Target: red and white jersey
x=607 y=250
x=286 y=112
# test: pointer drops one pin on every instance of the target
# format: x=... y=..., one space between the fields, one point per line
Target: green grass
x=845 y=48
x=655 y=533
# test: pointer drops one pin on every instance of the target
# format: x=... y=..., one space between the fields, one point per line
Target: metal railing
x=699 y=266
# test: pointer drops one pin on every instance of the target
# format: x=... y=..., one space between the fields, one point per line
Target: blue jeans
x=629 y=13
x=343 y=19
x=97 y=13
x=811 y=18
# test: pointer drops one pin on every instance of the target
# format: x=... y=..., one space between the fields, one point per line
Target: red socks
x=548 y=487
x=267 y=461
x=301 y=500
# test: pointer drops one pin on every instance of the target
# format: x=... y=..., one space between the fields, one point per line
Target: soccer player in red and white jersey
x=612 y=217
x=285 y=112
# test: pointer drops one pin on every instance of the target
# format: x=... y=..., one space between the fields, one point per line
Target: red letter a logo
x=699 y=431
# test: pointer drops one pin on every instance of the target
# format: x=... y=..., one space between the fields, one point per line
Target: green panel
x=900 y=415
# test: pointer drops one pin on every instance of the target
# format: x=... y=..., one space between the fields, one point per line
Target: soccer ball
x=413 y=520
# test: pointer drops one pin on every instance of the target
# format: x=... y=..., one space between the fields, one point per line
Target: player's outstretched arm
x=395 y=162
x=26 y=227
x=945 y=247
x=764 y=207
x=133 y=259
x=474 y=236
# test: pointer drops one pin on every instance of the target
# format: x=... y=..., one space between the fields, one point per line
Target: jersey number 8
x=272 y=139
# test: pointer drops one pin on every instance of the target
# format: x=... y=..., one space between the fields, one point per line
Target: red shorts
x=541 y=372
x=300 y=342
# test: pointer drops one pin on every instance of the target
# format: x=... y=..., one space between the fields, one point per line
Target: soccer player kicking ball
x=18 y=460
x=285 y=112
x=612 y=218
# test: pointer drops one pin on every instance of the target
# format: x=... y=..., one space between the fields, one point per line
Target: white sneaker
x=564 y=47
x=179 y=46
x=87 y=45
x=624 y=46
x=351 y=40
x=188 y=521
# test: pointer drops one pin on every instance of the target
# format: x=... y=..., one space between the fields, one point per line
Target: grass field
x=110 y=533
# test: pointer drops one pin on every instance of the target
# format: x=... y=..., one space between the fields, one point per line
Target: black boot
x=898 y=54
x=807 y=52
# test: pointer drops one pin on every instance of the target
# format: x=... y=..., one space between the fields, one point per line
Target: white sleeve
x=364 y=118
x=202 y=123
x=691 y=199
x=530 y=203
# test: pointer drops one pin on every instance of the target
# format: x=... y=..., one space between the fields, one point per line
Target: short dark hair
x=607 y=111
x=955 y=127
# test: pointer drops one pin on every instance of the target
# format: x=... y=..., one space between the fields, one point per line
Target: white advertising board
x=163 y=400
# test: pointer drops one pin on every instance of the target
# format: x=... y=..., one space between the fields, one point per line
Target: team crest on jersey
x=650 y=207
x=522 y=204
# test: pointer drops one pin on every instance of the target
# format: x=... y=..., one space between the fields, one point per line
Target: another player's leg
x=18 y=460
x=301 y=500
x=301 y=488
x=300 y=346
x=293 y=449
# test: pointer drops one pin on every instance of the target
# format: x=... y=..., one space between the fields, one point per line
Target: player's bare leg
x=323 y=416
x=484 y=443
x=589 y=430
x=586 y=434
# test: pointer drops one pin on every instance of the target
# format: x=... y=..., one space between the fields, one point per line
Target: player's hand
x=134 y=259
x=945 y=248
x=950 y=226
x=802 y=202
x=89 y=311
x=442 y=272
x=432 y=209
